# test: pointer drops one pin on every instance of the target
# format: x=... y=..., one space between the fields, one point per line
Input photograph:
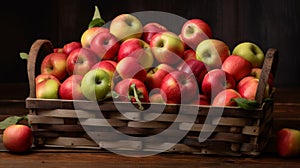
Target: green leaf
x=11 y=121
x=246 y=104
x=24 y=55
x=97 y=21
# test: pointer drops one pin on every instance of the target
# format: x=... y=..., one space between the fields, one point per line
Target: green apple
x=126 y=26
x=251 y=52
x=96 y=85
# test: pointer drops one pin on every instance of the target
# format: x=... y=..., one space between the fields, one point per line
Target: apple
x=150 y=29
x=237 y=67
x=189 y=54
x=80 y=61
x=202 y=100
x=18 y=138
x=130 y=67
x=69 y=47
x=243 y=81
x=125 y=90
x=125 y=26
x=224 y=98
x=195 y=31
x=96 y=85
x=167 y=48
x=248 y=89
x=88 y=35
x=250 y=52
x=212 y=52
x=47 y=86
x=55 y=64
x=215 y=81
x=157 y=97
x=288 y=142
x=105 y=45
x=179 y=87
x=108 y=65
x=70 y=88
x=256 y=72
x=195 y=67
x=155 y=75
x=137 y=48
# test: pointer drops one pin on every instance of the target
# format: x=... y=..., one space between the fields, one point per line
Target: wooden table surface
x=286 y=114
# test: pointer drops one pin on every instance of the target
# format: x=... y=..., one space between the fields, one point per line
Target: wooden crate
x=100 y=125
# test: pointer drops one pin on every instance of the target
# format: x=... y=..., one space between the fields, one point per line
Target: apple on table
x=288 y=142
x=18 y=138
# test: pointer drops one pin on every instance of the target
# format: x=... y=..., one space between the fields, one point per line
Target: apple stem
x=136 y=96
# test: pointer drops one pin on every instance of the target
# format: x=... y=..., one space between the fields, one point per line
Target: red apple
x=47 y=86
x=55 y=64
x=105 y=45
x=288 y=142
x=69 y=47
x=179 y=87
x=18 y=138
x=189 y=54
x=88 y=35
x=80 y=61
x=195 y=31
x=70 y=88
x=150 y=29
x=212 y=52
x=129 y=67
x=224 y=98
x=167 y=48
x=134 y=47
x=238 y=67
x=196 y=67
x=215 y=81
x=107 y=65
x=243 y=81
x=155 y=75
x=202 y=100
x=248 y=89
x=125 y=90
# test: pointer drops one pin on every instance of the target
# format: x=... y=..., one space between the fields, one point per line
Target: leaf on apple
x=246 y=104
x=11 y=121
x=24 y=55
x=97 y=21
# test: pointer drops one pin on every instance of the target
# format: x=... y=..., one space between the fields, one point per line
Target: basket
x=76 y=124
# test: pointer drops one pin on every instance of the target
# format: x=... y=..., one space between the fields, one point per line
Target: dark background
x=268 y=23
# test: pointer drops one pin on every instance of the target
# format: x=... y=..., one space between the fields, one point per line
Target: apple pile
x=133 y=62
